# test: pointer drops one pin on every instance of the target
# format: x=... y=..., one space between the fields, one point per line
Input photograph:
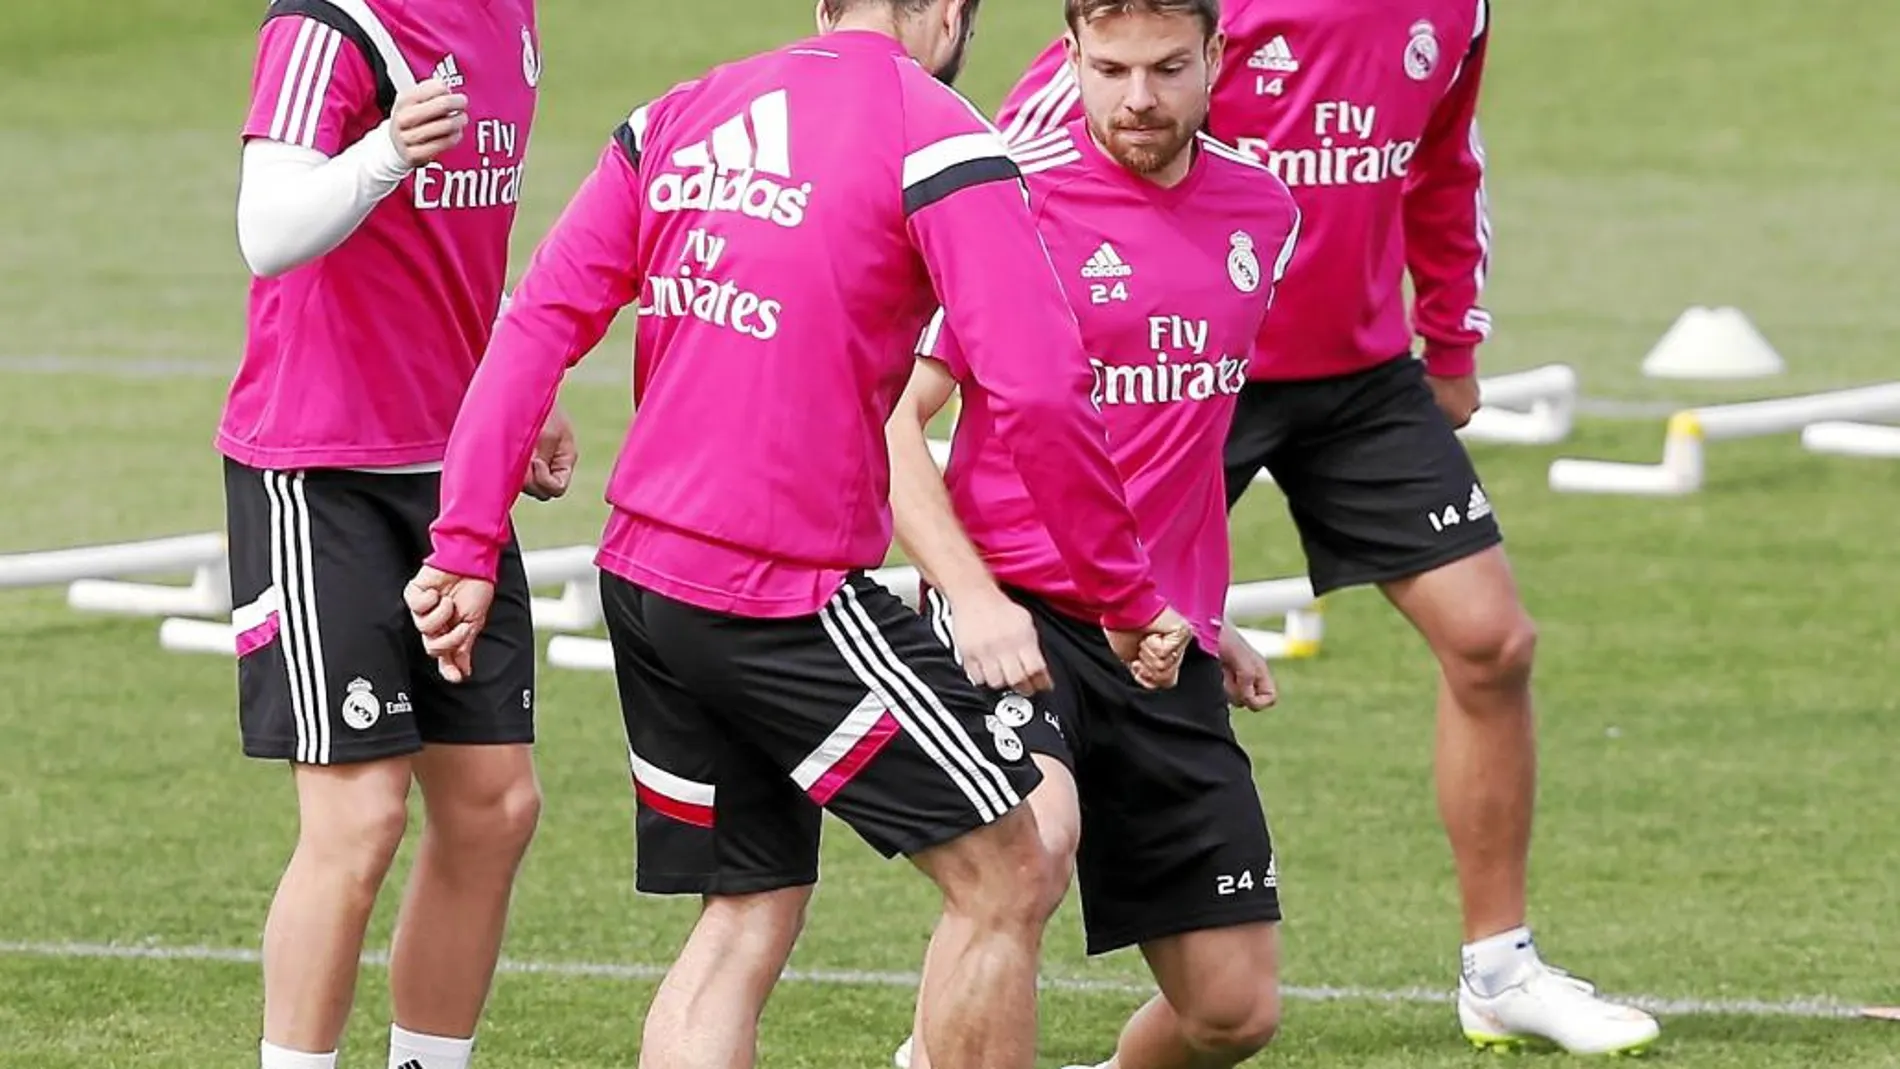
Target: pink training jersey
x=359 y=358
x=1171 y=286
x=785 y=262
x=1368 y=110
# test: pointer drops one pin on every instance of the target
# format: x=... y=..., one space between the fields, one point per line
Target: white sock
x=272 y=1056
x=1496 y=962
x=413 y=1050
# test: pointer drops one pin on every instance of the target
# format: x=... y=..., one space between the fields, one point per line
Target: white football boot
x=1548 y=1007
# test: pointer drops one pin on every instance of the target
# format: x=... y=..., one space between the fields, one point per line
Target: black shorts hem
x=286 y=750
x=687 y=883
x=1267 y=912
x=949 y=831
x=1409 y=568
x=513 y=737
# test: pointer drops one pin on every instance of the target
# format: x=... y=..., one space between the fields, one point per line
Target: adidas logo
x=449 y=75
x=1275 y=55
x=727 y=171
x=1106 y=263
x=410 y=1064
x=1479 y=506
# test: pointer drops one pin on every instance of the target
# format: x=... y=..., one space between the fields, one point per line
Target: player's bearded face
x=1145 y=83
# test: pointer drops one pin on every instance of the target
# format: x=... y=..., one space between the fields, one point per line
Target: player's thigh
x=495 y=705
x=862 y=708
x=1174 y=838
x=317 y=572
x=712 y=815
x=1378 y=482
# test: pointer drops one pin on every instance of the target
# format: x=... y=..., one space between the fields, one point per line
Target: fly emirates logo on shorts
x=1180 y=371
x=744 y=167
x=1347 y=152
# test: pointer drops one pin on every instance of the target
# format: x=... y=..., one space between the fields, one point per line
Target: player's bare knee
x=983 y=873
x=1234 y=1022
x=754 y=931
x=358 y=834
x=1496 y=653
x=498 y=817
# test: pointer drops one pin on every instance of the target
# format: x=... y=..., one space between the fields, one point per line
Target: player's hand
x=450 y=611
x=1457 y=396
x=427 y=121
x=1154 y=653
x=555 y=454
x=1249 y=680
x=997 y=640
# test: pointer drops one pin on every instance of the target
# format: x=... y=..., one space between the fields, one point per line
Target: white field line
x=1802 y=1008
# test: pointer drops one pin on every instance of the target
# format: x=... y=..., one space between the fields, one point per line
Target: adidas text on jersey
x=734 y=169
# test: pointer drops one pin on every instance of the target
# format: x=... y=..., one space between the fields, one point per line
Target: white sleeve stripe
x=933 y=331
x=1232 y=154
x=1484 y=13
x=1286 y=250
x=306 y=81
x=286 y=92
x=935 y=158
x=326 y=66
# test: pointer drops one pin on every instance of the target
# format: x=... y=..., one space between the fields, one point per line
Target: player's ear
x=822 y=17
x=1216 y=49
x=1072 y=48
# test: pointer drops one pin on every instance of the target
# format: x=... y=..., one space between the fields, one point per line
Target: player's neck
x=872 y=18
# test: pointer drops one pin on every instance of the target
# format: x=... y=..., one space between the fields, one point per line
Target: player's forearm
x=926 y=522
x=582 y=274
x=295 y=204
x=1448 y=226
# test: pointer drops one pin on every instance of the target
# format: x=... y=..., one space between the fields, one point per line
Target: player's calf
x=983 y=1012
x=706 y=1012
x=351 y=821
x=482 y=806
x=1219 y=1003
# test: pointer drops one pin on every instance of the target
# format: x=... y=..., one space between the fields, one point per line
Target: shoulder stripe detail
x=1045 y=109
x=1019 y=148
x=293 y=95
x=1050 y=163
x=959 y=176
x=1230 y=153
x=631 y=135
x=1286 y=250
x=355 y=21
x=938 y=156
x=1483 y=21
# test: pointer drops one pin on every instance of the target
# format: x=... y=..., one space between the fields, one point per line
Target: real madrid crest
x=1243 y=267
x=1421 y=52
x=360 y=707
x=530 y=61
x=1014 y=710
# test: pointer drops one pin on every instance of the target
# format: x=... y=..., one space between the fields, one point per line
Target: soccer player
x=1169 y=246
x=374 y=212
x=1368 y=110
x=786 y=224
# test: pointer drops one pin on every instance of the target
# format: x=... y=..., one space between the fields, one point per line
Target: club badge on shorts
x=360 y=707
x=1243 y=267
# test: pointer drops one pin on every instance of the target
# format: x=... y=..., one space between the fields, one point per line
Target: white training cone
x=1712 y=343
